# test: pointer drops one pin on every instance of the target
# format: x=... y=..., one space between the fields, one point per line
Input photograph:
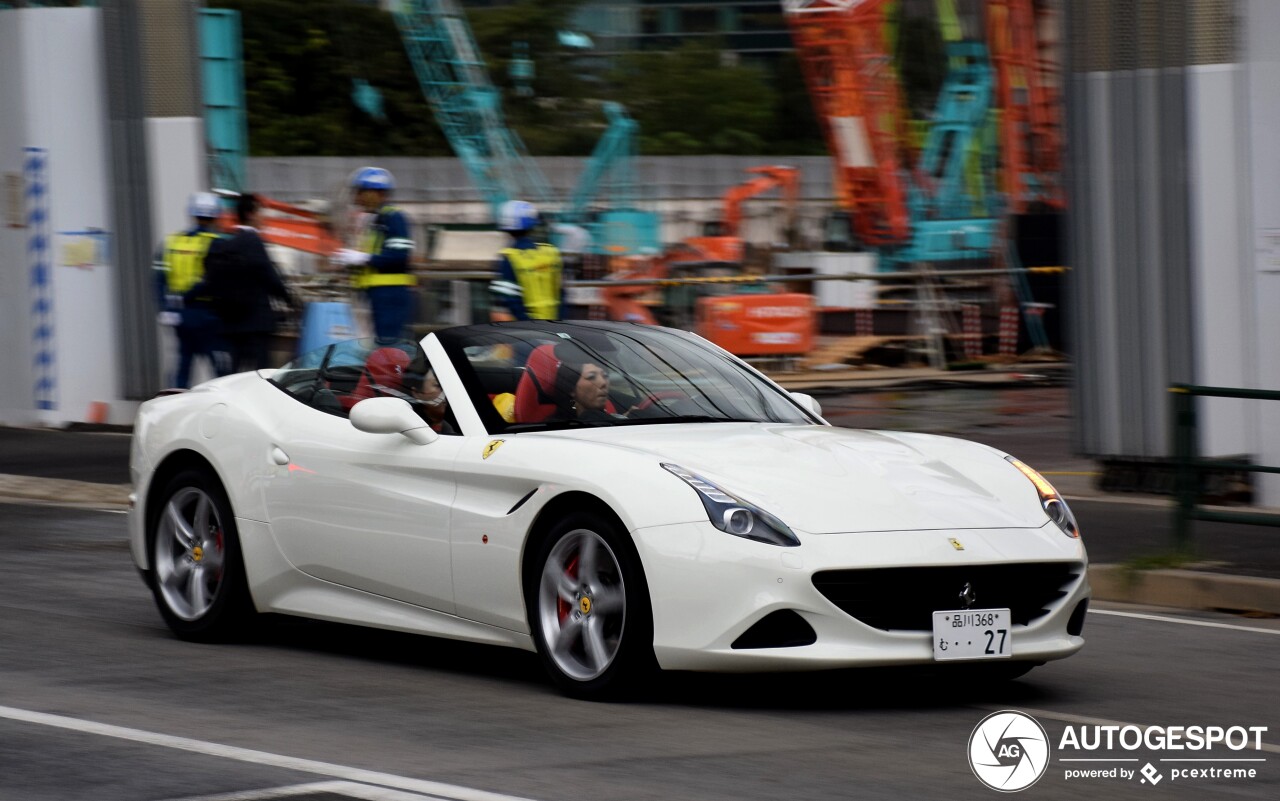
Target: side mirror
x=391 y=416
x=807 y=403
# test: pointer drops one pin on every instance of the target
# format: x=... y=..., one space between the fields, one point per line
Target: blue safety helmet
x=517 y=215
x=204 y=206
x=373 y=178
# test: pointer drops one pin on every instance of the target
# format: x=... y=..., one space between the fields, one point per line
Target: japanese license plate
x=972 y=634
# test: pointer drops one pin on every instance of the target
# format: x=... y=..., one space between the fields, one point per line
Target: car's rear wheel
x=589 y=609
x=197 y=573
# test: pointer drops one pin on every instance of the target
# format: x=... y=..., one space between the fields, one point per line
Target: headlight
x=1052 y=502
x=734 y=515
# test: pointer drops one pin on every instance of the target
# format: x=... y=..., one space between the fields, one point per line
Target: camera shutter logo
x=1008 y=751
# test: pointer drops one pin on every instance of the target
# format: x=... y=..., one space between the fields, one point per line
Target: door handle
x=279 y=457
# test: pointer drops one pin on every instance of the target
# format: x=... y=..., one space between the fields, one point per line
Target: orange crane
x=724 y=243
x=844 y=56
x=1030 y=121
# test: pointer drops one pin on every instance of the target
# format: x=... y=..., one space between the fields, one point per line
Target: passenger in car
x=428 y=399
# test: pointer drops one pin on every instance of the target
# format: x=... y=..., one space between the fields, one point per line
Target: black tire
x=197 y=571
x=591 y=649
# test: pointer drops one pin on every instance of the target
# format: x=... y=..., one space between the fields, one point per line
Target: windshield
x=547 y=375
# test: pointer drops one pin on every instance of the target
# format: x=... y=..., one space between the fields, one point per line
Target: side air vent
x=781 y=629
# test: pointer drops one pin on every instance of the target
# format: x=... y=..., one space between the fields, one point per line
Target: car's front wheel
x=197 y=574
x=589 y=609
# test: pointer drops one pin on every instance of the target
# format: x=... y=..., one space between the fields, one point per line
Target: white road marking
x=1184 y=621
x=451 y=792
x=1066 y=717
x=349 y=789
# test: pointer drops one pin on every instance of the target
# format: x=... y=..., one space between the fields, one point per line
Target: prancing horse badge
x=493 y=446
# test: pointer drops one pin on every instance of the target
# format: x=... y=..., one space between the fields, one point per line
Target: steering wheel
x=655 y=397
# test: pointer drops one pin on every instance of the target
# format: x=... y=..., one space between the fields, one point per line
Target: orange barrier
x=759 y=325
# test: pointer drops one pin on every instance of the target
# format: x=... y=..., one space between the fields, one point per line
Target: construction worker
x=381 y=266
x=180 y=266
x=530 y=281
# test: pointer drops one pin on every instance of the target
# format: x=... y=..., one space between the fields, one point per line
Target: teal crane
x=468 y=109
x=466 y=104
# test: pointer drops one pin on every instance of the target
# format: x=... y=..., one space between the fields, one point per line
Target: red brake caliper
x=563 y=607
x=217 y=542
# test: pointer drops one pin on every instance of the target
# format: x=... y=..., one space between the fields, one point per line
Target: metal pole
x=1184 y=453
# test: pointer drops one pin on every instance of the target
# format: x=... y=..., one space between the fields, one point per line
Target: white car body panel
x=378 y=530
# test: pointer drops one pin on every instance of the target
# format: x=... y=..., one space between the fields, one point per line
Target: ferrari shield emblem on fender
x=491 y=448
x=955 y=543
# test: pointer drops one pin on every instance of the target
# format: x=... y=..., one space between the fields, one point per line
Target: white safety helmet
x=517 y=215
x=204 y=206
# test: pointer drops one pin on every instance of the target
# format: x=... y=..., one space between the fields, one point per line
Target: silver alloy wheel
x=190 y=551
x=582 y=605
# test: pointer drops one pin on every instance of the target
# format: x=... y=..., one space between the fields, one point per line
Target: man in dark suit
x=240 y=280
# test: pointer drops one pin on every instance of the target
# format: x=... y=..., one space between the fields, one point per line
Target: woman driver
x=582 y=388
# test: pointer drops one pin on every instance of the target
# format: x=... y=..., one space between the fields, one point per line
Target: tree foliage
x=302 y=58
x=689 y=102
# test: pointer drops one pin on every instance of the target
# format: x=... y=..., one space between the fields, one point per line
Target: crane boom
x=846 y=66
x=466 y=105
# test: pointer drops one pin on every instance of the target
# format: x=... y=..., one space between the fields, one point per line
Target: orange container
x=759 y=325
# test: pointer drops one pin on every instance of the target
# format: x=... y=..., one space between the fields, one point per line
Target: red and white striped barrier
x=1009 y=331
x=971 y=316
x=863 y=322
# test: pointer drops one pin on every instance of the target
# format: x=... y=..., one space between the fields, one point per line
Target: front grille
x=905 y=598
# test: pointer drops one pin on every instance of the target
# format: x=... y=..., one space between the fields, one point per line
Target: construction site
x=947 y=245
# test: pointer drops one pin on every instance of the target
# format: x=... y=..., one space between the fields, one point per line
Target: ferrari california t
x=618 y=498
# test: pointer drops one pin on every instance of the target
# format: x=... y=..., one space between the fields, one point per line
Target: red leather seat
x=535 y=398
x=383 y=370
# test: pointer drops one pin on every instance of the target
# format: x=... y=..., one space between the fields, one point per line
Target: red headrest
x=384 y=367
x=535 y=392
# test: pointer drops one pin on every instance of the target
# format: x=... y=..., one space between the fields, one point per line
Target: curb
x=64 y=491
x=1185 y=589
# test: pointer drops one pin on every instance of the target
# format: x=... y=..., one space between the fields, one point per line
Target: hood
x=822 y=479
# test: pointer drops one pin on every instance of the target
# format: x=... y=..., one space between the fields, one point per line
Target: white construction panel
x=53 y=98
x=1262 y=51
x=1222 y=287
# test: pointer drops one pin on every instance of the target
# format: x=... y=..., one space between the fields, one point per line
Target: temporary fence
x=1189 y=465
x=926 y=317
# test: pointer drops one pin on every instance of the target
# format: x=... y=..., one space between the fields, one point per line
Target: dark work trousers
x=198 y=336
x=392 y=307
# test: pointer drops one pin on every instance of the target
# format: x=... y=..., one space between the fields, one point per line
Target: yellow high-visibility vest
x=372 y=243
x=184 y=260
x=539 y=271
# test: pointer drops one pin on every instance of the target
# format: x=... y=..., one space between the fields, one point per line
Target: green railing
x=1189 y=465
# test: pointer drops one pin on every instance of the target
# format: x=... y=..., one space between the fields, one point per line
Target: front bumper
x=707 y=588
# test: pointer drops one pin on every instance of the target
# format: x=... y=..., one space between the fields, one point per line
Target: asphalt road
x=98 y=701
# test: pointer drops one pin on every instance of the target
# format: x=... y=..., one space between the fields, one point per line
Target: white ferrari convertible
x=615 y=497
